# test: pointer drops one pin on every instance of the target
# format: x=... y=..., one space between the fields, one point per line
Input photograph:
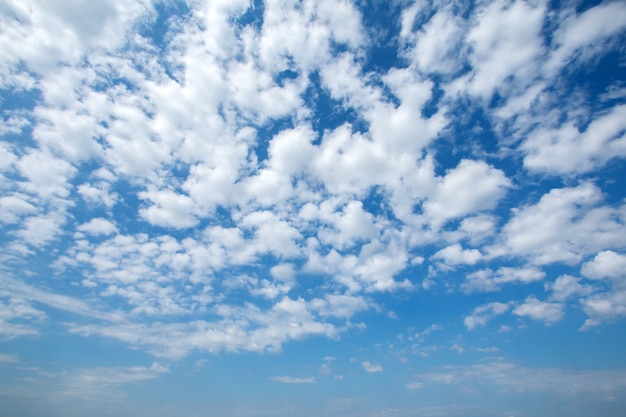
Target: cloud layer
x=232 y=176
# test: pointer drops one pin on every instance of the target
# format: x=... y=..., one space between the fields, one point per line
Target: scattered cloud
x=482 y=314
x=237 y=176
x=371 y=367
x=511 y=377
x=292 y=380
x=539 y=310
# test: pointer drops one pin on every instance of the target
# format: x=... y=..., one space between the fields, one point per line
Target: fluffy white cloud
x=482 y=314
x=581 y=36
x=601 y=141
x=538 y=310
x=608 y=305
x=567 y=286
x=606 y=264
x=437 y=44
x=47 y=175
x=168 y=209
x=565 y=225
x=470 y=187
x=334 y=305
x=98 y=226
x=604 y=307
x=14 y=207
x=506 y=43
x=456 y=255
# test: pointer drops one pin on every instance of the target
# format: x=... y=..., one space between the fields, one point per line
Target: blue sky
x=341 y=208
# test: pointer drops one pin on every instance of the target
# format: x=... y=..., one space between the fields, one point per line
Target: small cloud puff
x=371 y=367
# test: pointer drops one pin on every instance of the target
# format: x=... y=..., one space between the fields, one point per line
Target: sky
x=355 y=208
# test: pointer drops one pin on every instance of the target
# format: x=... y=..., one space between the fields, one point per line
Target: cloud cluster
x=251 y=177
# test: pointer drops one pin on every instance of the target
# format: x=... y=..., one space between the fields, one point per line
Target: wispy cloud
x=293 y=380
x=371 y=368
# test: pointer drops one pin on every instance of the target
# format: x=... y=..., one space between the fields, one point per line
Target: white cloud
x=102 y=384
x=397 y=127
x=415 y=385
x=456 y=255
x=477 y=228
x=14 y=207
x=293 y=380
x=40 y=230
x=175 y=135
x=608 y=305
x=98 y=226
x=606 y=264
x=168 y=209
x=588 y=150
x=567 y=286
x=240 y=328
x=438 y=42
x=47 y=175
x=486 y=280
x=582 y=35
x=283 y=272
x=538 y=310
x=603 y=307
x=98 y=194
x=371 y=367
x=565 y=225
x=470 y=187
x=506 y=43
x=24 y=293
x=482 y=314
x=339 y=305
x=18 y=318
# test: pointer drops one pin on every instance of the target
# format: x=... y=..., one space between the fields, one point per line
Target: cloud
x=371 y=367
x=600 y=23
x=456 y=255
x=538 y=310
x=168 y=209
x=606 y=264
x=415 y=385
x=482 y=314
x=437 y=44
x=609 y=305
x=226 y=177
x=603 y=307
x=100 y=386
x=470 y=187
x=18 y=318
x=567 y=286
x=486 y=280
x=293 y=380
x=98 y=226
x=602 y=140
x=21 y=291
x=500 y=29
x=563 y=226
x=14 y=207
x=512 y=377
